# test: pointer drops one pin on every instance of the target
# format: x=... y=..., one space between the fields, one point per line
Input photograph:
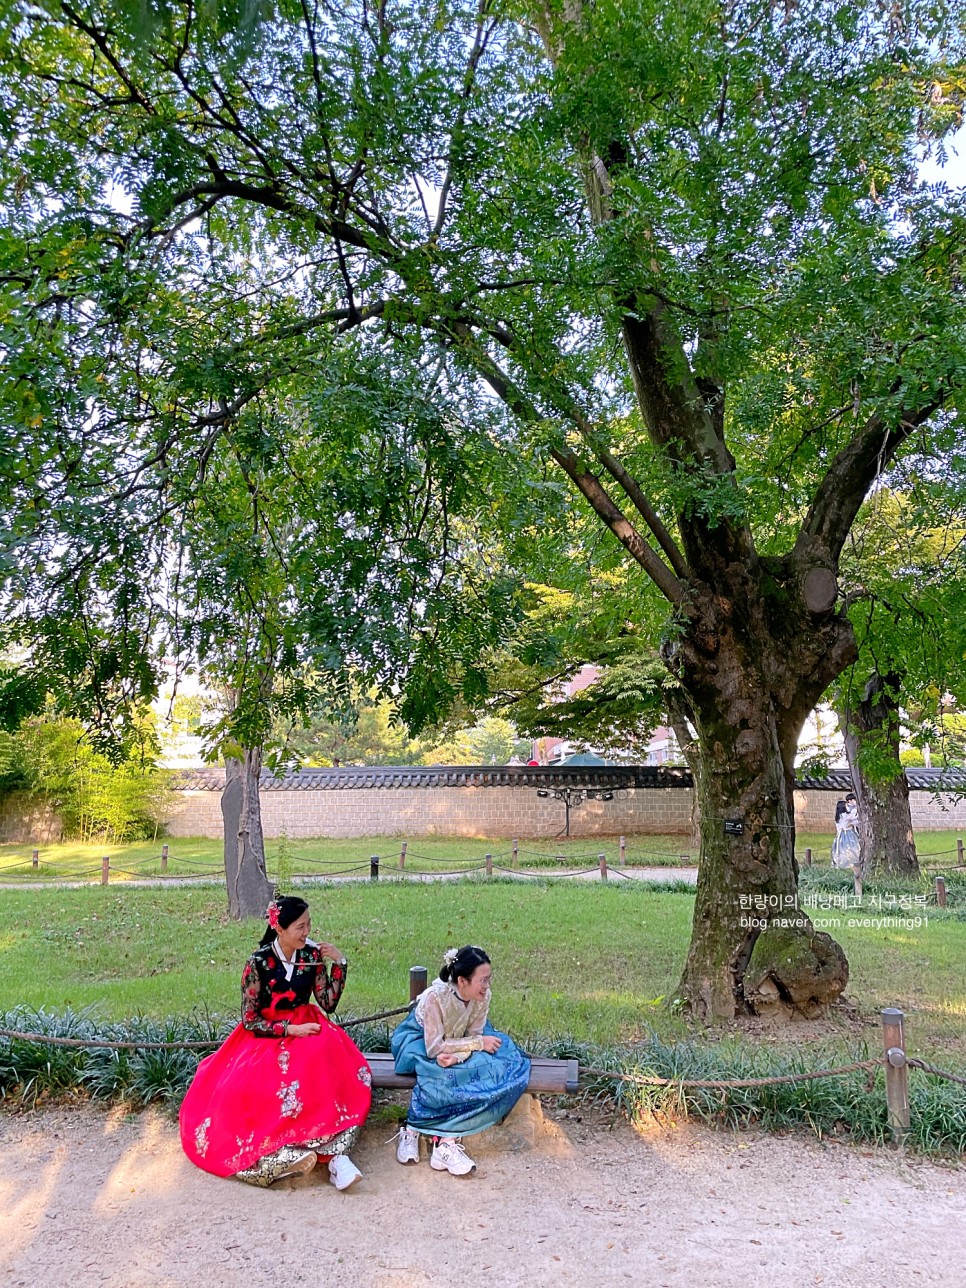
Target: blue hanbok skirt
x=465 y=1098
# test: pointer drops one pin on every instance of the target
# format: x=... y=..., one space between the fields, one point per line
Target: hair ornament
x=450 y=956
x=272 y=914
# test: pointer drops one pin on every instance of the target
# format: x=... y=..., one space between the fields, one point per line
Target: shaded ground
x=92 y=1197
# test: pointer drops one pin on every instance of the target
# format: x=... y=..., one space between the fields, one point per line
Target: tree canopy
x=676 y=255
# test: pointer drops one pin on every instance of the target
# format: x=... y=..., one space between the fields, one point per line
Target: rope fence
x=894 y=1061
x=505 y=863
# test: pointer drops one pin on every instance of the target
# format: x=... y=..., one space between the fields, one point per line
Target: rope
x=722 y=1084
x=50 y=1040
x=382 y=1015
x=937 y=1073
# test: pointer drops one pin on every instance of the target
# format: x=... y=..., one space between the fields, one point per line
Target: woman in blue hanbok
x=468 y=1076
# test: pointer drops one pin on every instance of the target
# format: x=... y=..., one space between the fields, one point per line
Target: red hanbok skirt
x=255 y=1094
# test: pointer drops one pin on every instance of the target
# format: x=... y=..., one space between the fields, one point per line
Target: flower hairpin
x=450 y=956
x=272 y=914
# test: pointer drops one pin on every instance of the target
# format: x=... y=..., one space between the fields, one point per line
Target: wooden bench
x=557 y=1077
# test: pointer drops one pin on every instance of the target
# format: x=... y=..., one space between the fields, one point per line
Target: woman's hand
x=491 y=1043
x=446 y=1061
x=330 y=951
x=302 y=1030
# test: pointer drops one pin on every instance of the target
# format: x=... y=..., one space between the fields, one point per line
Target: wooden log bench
x=555 y=1077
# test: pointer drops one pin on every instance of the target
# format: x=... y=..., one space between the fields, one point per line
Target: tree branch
x=852 y=473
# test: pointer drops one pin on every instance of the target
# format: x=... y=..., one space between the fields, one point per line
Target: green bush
x=96 y=799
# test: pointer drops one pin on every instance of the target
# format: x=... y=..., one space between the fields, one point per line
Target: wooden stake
x=515 y=860
x=105 y=869
x=374 y=868
x=164 y=858
x=489 y=865
x=897 y=1073
x=402 y=855
x=940 y=886
x=602 y=864
x=417 y=981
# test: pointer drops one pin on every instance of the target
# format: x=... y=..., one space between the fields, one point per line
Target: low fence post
x=940 y=886
x=896 y=1073
x=959 y=851
x=164 y=858
x=417 y=981
x=35 y=858
x=515 y=858
x=602 y=864
x=105 y=869
x=488 y=859
x=623 y=852
x=374 y=868
x=808 y=856
x=402 y=855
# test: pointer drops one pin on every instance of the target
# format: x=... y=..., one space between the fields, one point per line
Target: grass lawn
x=592 y=961
x=195 y=856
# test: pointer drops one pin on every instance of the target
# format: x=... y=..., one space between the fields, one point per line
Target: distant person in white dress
x=845 y=847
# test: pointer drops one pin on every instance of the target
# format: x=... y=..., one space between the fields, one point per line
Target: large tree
x=684 y=246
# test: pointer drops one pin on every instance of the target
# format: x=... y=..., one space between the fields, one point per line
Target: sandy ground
x=92 y=1197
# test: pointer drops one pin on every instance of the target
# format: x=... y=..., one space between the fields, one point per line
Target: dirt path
x=97 y=1198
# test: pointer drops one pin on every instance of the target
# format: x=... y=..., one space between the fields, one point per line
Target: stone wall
x=458 y=811
x=500 y=812
x=26 y=821
x=444 y=811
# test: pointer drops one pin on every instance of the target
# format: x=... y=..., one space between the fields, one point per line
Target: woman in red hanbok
x=288 y=1087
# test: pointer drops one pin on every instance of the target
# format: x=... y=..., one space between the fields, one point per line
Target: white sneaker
x=343 y=1172
x=450 y=1156
x=407 y=1151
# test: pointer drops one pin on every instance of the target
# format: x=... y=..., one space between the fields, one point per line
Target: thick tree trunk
x=741 y=664
x=249 y=889
x=887 y=842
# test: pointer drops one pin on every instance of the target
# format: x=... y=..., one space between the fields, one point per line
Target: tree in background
x=905 y=573
x=678 y=253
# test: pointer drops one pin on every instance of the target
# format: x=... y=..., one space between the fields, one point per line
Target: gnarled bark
x=753 y=950
x=886 y=839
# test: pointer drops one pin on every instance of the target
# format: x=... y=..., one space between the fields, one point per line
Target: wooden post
x=105 y=869
x=489 y=864
x=402 y=855
x=940 y=886
x=417 y=981
x=623 y=851
x=164 y=858
x=959 y=851
x=374 y=868
x=897 y=1073
x=602 y=864
x=515 y=859
x=35 y=858
x=808 y=856
x=857 y=880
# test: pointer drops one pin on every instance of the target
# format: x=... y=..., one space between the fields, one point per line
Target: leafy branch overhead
x=387 y=274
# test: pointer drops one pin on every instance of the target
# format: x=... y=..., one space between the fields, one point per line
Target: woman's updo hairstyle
x=461 y=963
x=282 y=911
